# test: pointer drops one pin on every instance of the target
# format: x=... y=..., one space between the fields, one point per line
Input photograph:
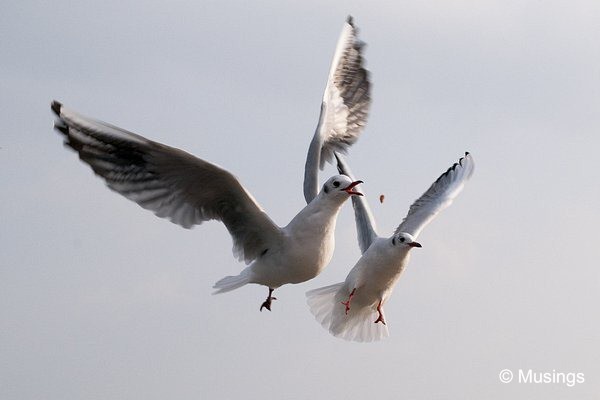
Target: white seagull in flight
x=188 y=190
x=353 y=309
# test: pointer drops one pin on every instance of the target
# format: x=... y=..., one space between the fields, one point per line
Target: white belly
x=300 y=259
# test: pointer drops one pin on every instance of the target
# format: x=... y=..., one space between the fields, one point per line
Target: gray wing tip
x=56 y=106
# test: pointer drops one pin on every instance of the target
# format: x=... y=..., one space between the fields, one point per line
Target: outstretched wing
x=438 y=197
x=344 y=109
x=365 y=222
x=168 y=181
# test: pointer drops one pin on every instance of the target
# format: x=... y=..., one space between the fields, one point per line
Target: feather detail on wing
x=168 y=181
x=366 y=229
x=438 y=197
x=344 y=109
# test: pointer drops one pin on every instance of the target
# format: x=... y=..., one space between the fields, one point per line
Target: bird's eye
x=402 y=239
x=336 y=184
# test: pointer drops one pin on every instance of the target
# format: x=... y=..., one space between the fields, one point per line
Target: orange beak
x=349 y=188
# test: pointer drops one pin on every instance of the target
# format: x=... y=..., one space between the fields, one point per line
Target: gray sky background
x=99 y=299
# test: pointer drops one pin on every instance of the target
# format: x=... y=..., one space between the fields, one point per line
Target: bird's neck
x=320 y=212
x=330 y=205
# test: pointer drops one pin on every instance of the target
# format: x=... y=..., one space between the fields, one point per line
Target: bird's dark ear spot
x=394 y=240
x=325 y=189
x=264 y=252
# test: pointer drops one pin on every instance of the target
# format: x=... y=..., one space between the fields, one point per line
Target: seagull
x=353 y=309
x=188 y=190
x=344 y=111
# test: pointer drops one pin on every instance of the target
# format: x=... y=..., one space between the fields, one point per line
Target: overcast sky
x=100 y=299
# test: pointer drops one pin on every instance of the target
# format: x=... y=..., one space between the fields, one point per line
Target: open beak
x=349 y=188
x=415 y=244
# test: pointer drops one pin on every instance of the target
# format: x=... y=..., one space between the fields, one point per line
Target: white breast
x=376 y=273
x=307 y=249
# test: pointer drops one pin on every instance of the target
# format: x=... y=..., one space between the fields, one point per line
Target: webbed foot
x=267 y=303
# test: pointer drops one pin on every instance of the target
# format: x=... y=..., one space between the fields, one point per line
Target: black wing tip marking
x=337 y=157
x=462 y=159
x=61 y=127
x=56 y=106
x=59 y=124
x=467 y=154
x=453 y=167
x=350 y=21
x=338 y=164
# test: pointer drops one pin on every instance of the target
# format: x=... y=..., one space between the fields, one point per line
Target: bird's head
x=340 y=186
x=404 y=240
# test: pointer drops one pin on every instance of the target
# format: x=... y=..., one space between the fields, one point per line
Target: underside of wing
x=168 y=181
x=365 y=222
x=438 y=197
x=344 y=109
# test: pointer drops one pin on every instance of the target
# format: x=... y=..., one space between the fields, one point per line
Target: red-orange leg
x=380 y=318
x=347 y=303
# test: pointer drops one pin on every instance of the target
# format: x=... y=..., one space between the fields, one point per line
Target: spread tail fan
x=325 y=304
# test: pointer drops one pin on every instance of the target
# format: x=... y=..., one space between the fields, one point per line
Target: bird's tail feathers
x=358 y=325
x=230 y=283
x=321 y=303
